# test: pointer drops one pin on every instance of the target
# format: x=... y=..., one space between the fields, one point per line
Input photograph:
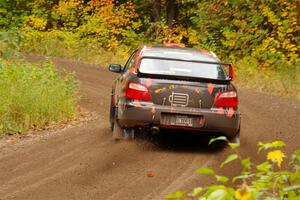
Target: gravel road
x=83 y=162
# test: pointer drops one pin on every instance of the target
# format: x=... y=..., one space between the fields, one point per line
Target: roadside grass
x=34 y=97
x=284 y=82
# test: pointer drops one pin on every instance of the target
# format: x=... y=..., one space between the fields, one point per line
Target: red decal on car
x=230 y=112
x=132 y=70
x=201 y=120
x=153 y=109
x=220 y=111
x=137 y=103
x=210 y=88
x=148 y=82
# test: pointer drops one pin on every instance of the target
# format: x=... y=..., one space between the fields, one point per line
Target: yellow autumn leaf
x=276 y=156
x=244 y=193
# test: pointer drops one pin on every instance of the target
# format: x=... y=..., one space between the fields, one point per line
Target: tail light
x=138 y=91
x=226 y=99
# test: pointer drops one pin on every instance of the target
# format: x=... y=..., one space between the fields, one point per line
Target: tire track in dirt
x=84 y=162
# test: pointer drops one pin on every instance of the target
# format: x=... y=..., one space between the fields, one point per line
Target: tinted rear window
x=182 y=68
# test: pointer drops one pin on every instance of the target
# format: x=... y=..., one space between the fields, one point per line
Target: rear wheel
x=112 y=114
x=120 y=133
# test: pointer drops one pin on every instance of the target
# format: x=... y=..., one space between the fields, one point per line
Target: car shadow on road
x=181 y=141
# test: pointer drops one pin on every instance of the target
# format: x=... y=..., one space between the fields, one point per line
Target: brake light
x=226 y=99
x=138 y=91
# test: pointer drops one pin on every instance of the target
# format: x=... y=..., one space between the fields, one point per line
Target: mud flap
x=236 y=139
x=117 y=131
x=120 y=133
x=128 y=133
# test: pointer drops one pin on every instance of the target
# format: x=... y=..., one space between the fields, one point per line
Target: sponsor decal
x=210 y=88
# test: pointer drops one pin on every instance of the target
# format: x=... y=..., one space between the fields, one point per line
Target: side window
x=130 y=62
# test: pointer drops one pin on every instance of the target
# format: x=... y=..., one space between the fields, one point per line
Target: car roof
x=179 y=53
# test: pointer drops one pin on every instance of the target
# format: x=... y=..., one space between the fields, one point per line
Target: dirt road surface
x=83 y=162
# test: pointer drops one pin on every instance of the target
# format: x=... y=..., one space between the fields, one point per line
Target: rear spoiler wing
x=230 y=75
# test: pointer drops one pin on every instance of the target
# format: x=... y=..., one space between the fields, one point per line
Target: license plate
x=181 y=120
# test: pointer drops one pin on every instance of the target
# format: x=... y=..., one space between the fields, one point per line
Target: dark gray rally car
x=171 y=87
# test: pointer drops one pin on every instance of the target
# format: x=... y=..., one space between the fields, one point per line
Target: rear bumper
x=223 y=121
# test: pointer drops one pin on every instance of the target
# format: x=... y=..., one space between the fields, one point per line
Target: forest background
x=261 y=37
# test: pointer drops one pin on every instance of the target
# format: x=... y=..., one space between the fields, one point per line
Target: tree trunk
x=170 y=12
x=156 y=10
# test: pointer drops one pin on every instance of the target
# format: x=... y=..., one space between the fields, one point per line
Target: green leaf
x=229 y=159
x=278 y=143
x=222 y=179
x=222 y=138
x=233 y=145
x=218 y=194
x=264 y=167
x=265 y=146
x=197 y=191
x=244 y=176
x=205 y=170
x=246 y=163
x=176 y=195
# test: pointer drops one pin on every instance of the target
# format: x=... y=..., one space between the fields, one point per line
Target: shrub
x=69 y=45
x=266 y=180
x=9 y=45
x=34 y=96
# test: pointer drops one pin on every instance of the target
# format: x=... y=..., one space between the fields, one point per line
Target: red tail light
x=226 y=99
x=138 y=91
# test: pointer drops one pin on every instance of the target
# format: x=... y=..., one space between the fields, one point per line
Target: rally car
x=173 y=87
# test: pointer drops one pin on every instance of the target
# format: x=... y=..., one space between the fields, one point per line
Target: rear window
x=182 y=68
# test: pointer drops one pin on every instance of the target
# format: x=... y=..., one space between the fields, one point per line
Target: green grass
x=283 y=82
x=34 y=96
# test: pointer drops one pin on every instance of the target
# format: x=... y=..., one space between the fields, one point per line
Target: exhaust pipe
x=154 y=130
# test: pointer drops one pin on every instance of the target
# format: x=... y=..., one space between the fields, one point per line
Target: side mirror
x=115 y=68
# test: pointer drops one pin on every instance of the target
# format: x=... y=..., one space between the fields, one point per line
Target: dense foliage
x=261 y=37
x=267 y=31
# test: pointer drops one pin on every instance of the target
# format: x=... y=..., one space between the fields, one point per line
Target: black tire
x=112 y=114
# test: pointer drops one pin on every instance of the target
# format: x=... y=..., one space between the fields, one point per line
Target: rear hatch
x=180 y=83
